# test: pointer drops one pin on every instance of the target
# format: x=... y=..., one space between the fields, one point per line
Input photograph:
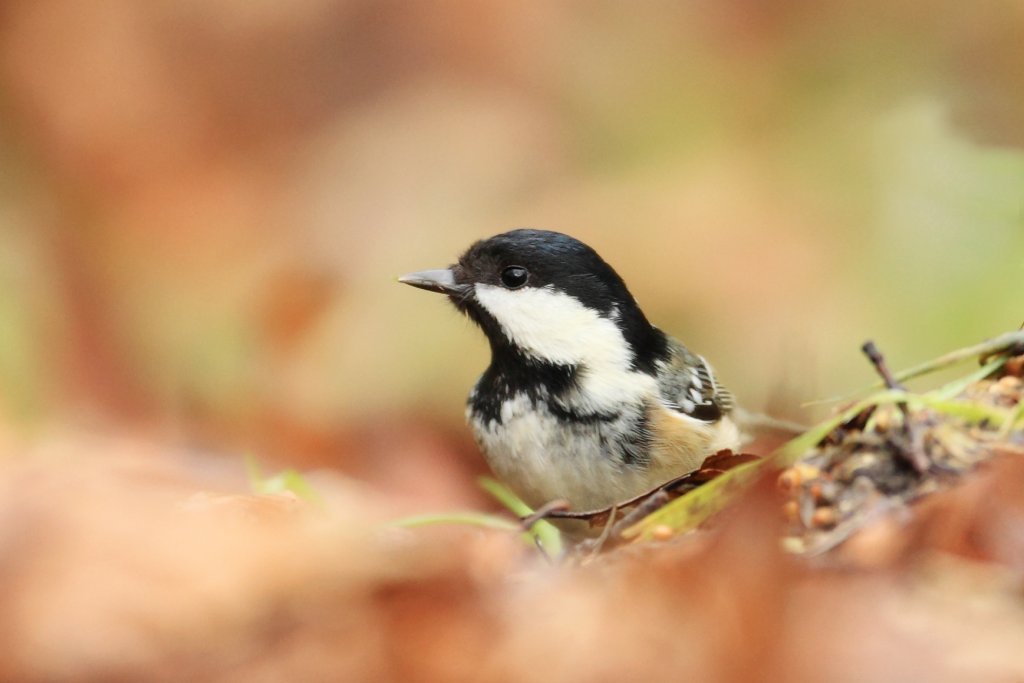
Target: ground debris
x=128 y=560
x=888 y=455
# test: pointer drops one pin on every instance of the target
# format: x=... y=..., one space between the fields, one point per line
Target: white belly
x=543 y=458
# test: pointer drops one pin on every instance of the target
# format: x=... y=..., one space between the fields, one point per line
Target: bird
x=584 y=400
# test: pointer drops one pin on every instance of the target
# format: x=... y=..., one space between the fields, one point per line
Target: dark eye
x=514 y=277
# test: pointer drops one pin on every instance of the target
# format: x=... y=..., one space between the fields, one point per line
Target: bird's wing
x=688 y=385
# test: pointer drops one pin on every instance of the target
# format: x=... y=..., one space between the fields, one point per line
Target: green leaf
x=691 y=510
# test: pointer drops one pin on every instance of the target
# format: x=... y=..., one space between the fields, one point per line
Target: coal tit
x=584 y=399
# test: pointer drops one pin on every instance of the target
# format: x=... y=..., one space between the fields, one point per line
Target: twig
x=560 y=509
x=912 y=451
x=654 y=502
x=598 y=543
x=544 y=512
x=875 y=356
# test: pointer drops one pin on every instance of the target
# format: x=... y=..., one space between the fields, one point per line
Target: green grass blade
x=545 y=533
x=469 y=518
x=995 y=345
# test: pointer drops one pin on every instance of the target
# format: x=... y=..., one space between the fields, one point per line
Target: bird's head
x=545 y=296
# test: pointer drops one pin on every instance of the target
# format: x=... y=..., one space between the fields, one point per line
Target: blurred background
x=204 y=205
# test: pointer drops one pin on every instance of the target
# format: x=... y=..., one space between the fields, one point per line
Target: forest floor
x=884 y=545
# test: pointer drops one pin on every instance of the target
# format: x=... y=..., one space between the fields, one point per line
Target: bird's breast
x=545 y=450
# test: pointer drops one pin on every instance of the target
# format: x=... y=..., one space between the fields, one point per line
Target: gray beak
x=441 y=280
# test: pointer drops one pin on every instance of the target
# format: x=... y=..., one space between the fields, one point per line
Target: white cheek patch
x=552 y=326
x=555 y=327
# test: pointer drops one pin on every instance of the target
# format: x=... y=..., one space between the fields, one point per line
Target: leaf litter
x=118 y=565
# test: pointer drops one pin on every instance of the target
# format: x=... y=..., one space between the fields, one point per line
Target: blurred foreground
x=116 y=570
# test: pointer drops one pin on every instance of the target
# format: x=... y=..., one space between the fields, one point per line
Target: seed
x=789 y=480
x=824 y=517
x=807 y=472
x=1009 y=382
x=791 y=510
x=883 y=420
x=823 y=490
